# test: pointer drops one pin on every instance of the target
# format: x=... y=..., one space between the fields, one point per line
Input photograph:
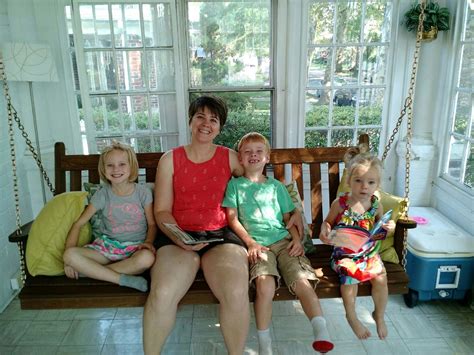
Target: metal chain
x=408 y=109
x=11 y=140
x=13 y=116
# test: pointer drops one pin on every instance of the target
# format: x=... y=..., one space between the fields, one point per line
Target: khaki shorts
x=278 y=261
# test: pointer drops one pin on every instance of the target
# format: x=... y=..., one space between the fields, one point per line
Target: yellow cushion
x=45 y=247
x=389 y=202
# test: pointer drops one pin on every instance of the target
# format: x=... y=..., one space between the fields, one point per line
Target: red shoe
x=323 y=346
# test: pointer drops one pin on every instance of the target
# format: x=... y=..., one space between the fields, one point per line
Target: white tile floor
x=437 y=327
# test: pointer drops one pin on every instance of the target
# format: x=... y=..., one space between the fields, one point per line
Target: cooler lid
x=438 y=235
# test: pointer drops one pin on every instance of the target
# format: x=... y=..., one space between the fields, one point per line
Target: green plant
x=434 y=16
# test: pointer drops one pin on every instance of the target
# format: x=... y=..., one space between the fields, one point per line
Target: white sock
x=264 y=342
x=319 y=329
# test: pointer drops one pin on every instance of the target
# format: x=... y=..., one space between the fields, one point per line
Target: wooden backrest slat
x=59 y=174
x=279 y=172
x=94 y=176
x=297 y=175
x=316 y=197
x=150 y=174
x=333 y=180
x=75 y=181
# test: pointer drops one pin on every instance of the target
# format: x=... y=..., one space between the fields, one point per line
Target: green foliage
x=434 y=16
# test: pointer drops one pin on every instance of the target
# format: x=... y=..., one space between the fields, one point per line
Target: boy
x=257 y=209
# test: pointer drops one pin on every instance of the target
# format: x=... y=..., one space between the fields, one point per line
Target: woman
x=189 y=188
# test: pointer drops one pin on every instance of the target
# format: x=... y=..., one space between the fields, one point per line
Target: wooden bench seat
x=41 y=292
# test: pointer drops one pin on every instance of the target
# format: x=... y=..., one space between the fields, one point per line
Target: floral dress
x=366 y=263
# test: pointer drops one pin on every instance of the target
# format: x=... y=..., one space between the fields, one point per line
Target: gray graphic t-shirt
x=123 y=217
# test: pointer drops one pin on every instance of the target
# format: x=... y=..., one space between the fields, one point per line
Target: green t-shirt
x=260 y=207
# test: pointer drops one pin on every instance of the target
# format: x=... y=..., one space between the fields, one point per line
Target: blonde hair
x=360 y=156
x=131 y=156
x=254 y=137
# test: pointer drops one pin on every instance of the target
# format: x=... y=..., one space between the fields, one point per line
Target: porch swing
x=41 y=292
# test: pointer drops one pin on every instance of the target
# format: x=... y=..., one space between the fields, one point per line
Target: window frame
x=389 y=44
x=85 y=93
x=444 y=179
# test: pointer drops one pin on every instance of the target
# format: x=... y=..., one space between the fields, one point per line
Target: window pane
x=467 y=66
x=469 y=35
x=463 y=113
x=248 y=112
x=321 y=23
x=127 y=25
x=370 y=106
x=374 y=65
x=316 y=115
x=160 y=68
x=95 y=26
x=130 y=69
x=348 y=21
x=105 y=114
x=229 y=43
x=313 y=139
x=100 y=69
x=163 y=106
x=455 y=158
x=343 y=116
x=377 y=21
x=157 y=23
x=347 y=59
x=342 y=137
x=374 y=141
x=135 y=112
x=469 y=178
x=319 y=65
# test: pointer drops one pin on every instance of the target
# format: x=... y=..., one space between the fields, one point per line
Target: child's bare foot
x=381 y=326
x=359 y=329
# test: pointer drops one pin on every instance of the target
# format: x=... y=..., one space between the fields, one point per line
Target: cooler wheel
x=411 y=298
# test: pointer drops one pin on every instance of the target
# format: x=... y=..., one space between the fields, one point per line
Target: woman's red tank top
x=199 y=189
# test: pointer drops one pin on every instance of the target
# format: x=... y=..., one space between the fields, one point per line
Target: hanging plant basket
x=430 y=35
x=435 y=19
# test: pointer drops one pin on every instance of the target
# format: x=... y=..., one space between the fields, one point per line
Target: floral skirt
x=113 y=249
x=355 y=268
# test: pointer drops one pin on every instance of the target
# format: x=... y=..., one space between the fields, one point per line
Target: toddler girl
x=128 y=229
x=360 y=207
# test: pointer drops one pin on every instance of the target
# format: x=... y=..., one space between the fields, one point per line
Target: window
x=348 y=46
x=122 y=55
x=459 y=166
x=230 y=55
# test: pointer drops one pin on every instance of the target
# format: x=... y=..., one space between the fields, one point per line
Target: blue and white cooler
x=440 y=259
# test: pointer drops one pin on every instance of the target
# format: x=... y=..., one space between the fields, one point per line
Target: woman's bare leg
x=171 y=276
x=225 y=268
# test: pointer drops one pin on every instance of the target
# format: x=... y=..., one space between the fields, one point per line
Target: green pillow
x=389 y=202
x=45 y=247
x=295 y=197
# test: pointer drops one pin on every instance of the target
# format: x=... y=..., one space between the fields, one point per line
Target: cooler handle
x=450 y=268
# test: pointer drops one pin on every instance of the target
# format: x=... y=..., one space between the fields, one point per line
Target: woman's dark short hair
x=214 y=103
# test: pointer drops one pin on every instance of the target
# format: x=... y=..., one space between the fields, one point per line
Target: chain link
x=13 y=116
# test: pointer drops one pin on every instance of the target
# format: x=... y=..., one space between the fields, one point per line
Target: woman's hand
x=147 y=245
x=324 y=234
x=70 y=272
x=295 y=248
x=256 y=252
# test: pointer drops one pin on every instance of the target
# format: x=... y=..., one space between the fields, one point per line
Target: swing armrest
x=23 y=236
x=402 y=225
